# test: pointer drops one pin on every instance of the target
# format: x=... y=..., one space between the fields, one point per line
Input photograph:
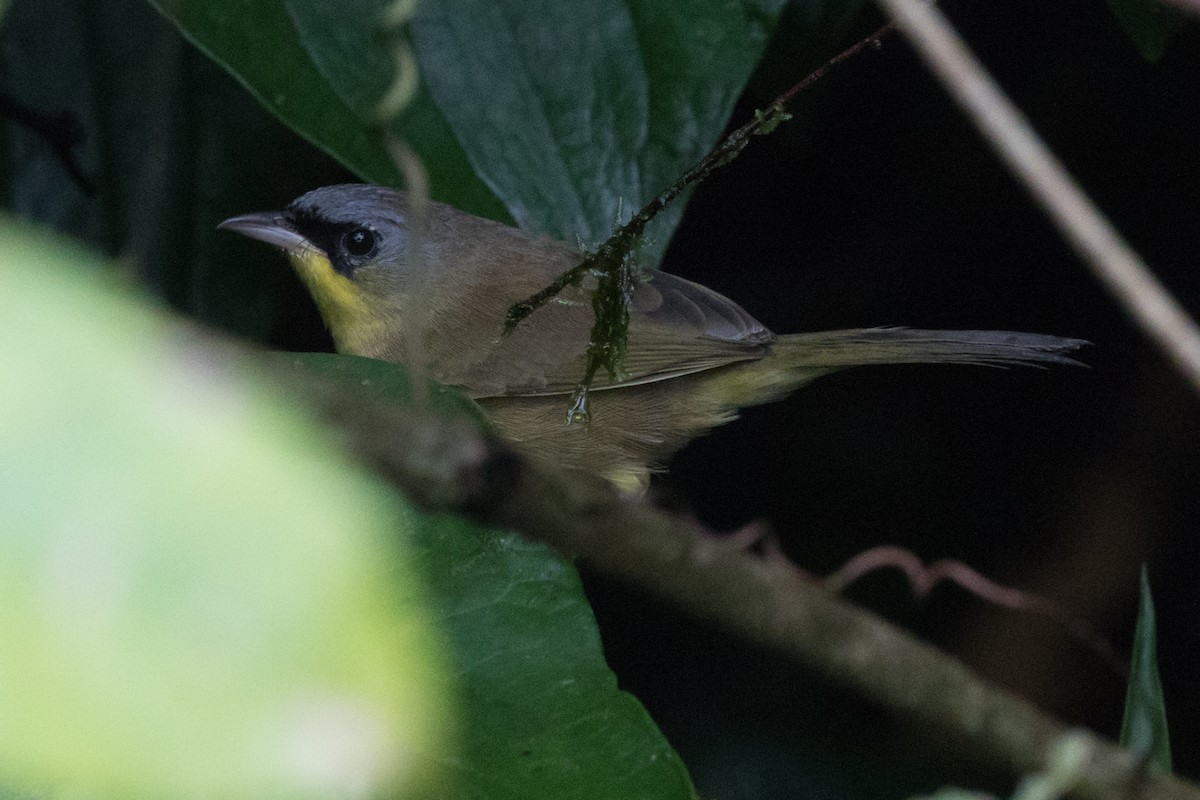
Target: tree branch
x=449 y=465
x=1112 y=260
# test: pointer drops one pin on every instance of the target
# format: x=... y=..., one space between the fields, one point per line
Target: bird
x=436 y=298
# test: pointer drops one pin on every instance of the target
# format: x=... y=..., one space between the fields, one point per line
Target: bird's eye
x=359 y=242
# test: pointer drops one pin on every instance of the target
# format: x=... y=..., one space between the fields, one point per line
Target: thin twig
x=613 y=252
x=612 y=262
x=417 y=306
x=923 y=578
x=1112 y=260
x=406 y=80
x=406 y=75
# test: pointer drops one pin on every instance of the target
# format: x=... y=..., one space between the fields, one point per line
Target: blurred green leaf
x=577 y=114
x=1144 y=727
x=544 y=717
x=1148 y=23
x=257 y=41
x=380 y=380
x=199 y=596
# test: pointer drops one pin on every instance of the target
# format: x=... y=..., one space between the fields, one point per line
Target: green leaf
x=258 y=43
x=1144 y=727
x=283 y=78
x=199 y=595
x=1148 y=23
x=576 y=114
x=381 y=380
x=543 y=716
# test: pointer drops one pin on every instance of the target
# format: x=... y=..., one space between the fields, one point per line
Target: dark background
x=878 y=205
x=882 y=206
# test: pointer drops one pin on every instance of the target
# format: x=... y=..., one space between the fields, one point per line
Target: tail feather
x=636 y=428
x=798 y=358
x=864 y=346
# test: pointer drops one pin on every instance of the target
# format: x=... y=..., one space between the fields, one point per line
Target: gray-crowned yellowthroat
x=694 y=357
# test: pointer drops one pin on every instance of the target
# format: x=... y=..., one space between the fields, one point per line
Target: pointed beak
x=271 y=227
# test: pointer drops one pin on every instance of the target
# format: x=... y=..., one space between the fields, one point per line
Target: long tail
x=859 y=347
x=798 y=358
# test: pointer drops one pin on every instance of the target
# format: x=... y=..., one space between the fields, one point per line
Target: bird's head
x=349 y=244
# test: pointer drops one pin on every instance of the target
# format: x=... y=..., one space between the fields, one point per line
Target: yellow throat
x=353 y=320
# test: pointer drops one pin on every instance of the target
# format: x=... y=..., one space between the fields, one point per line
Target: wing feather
x=676 y=327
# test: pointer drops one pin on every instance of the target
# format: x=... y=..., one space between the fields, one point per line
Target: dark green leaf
x=330 y=33
x=1144 y=727
x=1149 y=23
x=174 y=145
x=234 y=33
x=379 y=380
x=576 y=114
x=48 y=69
x=544 y=717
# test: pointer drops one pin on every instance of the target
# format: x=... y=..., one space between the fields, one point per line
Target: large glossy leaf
x=576 y=114
x=1144 y=727
x=568 y=143
x=543 y=715
x=45 y=68
x=199 y=595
